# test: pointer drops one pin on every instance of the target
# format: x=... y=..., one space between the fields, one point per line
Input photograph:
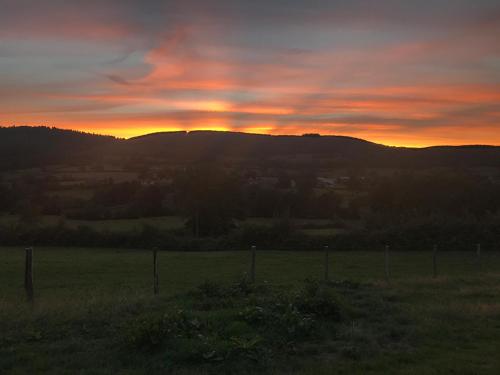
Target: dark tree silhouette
x=210 y=198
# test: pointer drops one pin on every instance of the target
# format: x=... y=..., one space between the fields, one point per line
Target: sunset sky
x=412 y=73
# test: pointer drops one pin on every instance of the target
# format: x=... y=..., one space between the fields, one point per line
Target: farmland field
x=413 y=323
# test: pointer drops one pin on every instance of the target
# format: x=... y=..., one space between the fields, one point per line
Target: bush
x=154 y=332
x=320 y=301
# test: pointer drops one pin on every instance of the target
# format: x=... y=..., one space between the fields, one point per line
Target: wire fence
x=66 y=272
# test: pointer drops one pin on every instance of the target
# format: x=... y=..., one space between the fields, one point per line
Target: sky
x=404 y=73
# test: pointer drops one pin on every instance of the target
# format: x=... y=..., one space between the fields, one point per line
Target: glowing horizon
x=397 y=74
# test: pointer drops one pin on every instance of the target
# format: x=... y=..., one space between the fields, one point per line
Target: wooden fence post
x=327 y=250
x=478 y=254
x=28 y=274
x=156 y=285
x=387 y=262
x=252 y=266
x=434 y=261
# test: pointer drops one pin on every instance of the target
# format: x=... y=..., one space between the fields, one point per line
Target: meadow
x=95 y=312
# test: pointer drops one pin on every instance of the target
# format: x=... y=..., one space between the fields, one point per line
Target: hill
x=22 y=147
x=203 y=145
x=25 y=147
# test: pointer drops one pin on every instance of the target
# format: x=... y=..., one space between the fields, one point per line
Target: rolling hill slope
x=22 y=147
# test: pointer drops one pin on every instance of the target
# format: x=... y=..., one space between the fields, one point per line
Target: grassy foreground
x=95 y=314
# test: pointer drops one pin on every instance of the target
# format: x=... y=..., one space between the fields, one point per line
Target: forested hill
x=198 y=145
x=22 y=147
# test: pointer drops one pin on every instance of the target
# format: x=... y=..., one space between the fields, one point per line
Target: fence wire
x=91 y=273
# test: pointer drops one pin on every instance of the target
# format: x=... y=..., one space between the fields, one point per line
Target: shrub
x=152 y=333
x=320 y=300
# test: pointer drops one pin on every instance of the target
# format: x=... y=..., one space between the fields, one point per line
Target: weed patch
x=254 y=326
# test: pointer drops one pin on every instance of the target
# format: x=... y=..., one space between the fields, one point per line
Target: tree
x=210 y=198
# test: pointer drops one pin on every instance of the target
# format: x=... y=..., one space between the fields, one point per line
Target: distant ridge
x=219 y=132
x=37 y=146
x=149 y=135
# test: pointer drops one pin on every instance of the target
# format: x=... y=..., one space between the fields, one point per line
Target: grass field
x=62 y=273
x=412 y=324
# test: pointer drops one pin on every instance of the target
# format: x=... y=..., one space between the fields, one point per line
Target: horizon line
x=215 y=130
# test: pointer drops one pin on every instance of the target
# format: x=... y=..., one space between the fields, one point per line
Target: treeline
x=417 y=235
x=448 y=192
x=210 y=197
x=412 y=210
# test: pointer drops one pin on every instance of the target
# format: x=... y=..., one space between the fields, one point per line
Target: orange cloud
x=202 y=66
